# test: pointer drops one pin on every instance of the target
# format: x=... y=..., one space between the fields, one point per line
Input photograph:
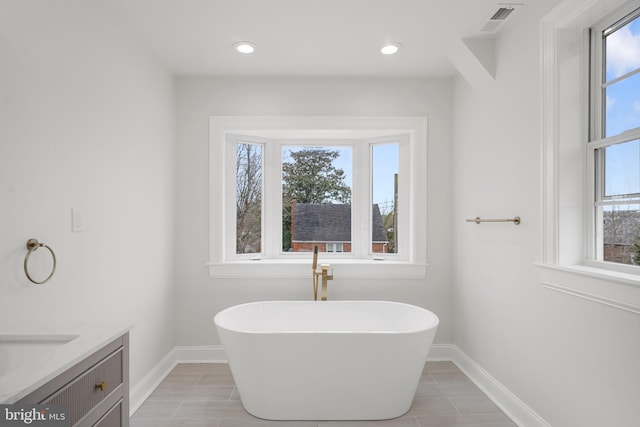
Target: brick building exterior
x=329 y=227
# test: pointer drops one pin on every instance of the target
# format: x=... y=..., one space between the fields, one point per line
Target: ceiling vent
x=502 y=14
x=499 y=16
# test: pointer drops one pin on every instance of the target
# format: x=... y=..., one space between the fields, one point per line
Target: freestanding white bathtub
x=329 y=360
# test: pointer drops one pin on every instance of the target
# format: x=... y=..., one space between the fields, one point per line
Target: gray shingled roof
x=379 y=234
x=330 y=223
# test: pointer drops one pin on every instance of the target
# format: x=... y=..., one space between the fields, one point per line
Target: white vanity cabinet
x=96 y=389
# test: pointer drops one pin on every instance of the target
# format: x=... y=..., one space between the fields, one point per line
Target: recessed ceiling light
x=244 y=47
x=390 y=48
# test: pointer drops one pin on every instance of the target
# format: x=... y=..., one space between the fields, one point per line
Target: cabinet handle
x=102 y=386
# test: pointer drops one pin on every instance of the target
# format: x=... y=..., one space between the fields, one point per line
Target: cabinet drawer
x=113 y=418
x=83 y=393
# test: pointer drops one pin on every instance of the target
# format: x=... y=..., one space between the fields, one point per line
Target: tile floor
x=204 y=395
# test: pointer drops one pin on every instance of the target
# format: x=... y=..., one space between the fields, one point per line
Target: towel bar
x=478 y=220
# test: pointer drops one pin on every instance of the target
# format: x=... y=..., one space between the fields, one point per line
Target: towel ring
x=32 y=246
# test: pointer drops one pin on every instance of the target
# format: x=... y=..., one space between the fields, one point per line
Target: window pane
x=622 y=169
x=621 y=228
x=384 y=212
x=622 y=99
x=316 y=192
x=622 y=105
x=248 y=198
x=623 y=50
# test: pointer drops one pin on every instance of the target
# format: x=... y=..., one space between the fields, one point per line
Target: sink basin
x=17 y=350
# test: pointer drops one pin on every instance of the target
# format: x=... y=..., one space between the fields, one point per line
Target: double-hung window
x=591 y=184
x=355 y=188
x=614 y=140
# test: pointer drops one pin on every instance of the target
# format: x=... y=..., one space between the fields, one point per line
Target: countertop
x=42 y=363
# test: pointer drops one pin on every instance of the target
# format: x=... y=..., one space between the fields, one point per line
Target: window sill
x=288 y=269
x=611 y=288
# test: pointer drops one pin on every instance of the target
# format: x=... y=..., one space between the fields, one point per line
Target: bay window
x=353 y=187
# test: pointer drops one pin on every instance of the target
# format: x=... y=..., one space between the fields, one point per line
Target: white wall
x=573 y=361
x=200 y=297
x=87 y=121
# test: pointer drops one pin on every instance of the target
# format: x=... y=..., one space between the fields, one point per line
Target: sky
x=385 y=166
x=623 y=109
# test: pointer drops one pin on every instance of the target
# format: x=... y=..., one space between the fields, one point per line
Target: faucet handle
x=327 y=271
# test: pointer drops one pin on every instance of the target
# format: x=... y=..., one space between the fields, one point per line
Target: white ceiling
x=303 y=37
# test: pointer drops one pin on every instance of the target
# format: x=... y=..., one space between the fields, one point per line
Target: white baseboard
x=180 y=354
x=200 y=354
x=143 y=389
x=440 y=352
x=509 y=403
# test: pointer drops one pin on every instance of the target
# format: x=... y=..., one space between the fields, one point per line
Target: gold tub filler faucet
x=323 y=272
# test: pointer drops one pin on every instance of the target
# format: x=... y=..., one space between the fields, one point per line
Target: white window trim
x=565 y=199
x=415 y=265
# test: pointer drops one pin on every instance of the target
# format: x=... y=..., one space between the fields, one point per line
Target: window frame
x=598 y=141
x=230 y=205
x=223 y=261
x=564 y=61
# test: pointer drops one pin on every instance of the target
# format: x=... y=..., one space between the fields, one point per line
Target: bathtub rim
x=433 y=324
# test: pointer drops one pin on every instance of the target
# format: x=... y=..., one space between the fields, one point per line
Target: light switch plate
x=76 y=220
